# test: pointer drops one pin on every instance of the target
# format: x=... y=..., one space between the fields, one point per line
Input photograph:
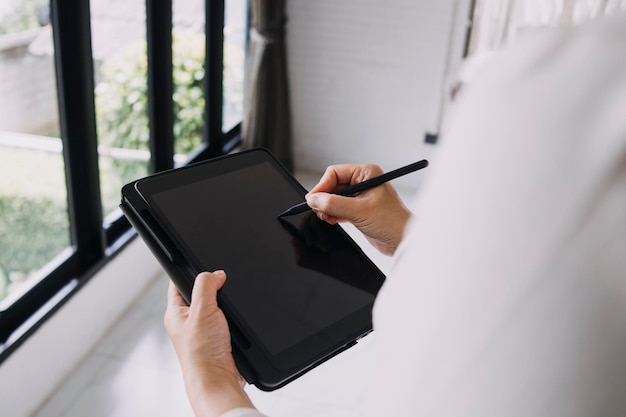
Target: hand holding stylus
x=378 y=213
x=362 y=186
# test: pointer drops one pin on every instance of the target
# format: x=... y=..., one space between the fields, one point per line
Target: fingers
x=327 y=183
x=176 y=311
x=340 y=176
x=332 y=208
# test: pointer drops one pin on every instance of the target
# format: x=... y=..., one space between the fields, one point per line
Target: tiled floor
x=134 y=372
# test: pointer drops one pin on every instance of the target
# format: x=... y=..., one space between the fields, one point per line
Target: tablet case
x=250 y=363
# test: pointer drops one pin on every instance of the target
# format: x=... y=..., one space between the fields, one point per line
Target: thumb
x=331 y=204
x=205 y=287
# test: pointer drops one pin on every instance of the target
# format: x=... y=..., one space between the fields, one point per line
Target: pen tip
x=297 y=209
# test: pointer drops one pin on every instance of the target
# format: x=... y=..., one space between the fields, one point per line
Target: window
x=118 y=34
x=235 y=30
x=96 y=99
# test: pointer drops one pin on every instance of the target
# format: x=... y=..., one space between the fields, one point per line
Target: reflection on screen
x=288 y=278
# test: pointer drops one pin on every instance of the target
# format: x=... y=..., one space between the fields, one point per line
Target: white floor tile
x=140 y=337
x=124 y=389
x=67 y=393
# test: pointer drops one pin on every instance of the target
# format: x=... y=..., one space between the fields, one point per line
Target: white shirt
x=508 y=295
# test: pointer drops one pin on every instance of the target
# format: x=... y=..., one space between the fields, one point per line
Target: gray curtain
x=267 y=118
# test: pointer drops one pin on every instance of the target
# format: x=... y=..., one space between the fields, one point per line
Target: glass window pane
x=188 y=59
x=188 y=55
x=235 y=25
x=120 y=66
x=34 y=221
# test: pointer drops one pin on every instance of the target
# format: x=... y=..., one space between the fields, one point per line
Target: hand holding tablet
x=298 y=291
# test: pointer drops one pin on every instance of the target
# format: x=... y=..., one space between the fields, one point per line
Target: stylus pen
x=362 y=186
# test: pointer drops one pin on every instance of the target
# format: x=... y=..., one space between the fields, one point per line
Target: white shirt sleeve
x=508 y=296
x=243 y=412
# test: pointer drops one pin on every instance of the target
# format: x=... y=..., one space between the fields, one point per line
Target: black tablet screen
x=288 y=278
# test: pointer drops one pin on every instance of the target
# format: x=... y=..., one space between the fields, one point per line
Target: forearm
x=211 y=395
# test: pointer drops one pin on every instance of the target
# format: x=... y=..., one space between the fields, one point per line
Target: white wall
x=366 y=77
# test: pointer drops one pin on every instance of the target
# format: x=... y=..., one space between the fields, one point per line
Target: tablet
x=298 y=290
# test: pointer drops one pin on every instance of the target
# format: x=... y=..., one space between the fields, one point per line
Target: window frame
x=94 y=242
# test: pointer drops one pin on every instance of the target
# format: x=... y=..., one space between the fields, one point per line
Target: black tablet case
x=250 y=363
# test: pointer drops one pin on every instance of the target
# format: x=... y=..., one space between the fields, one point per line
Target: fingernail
x=220 y=273
x=312 y=200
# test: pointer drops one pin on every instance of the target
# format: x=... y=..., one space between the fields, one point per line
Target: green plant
x=121 y=99
x=33 y=230
x=188 y=97
x=121 y=94
x=122 y=102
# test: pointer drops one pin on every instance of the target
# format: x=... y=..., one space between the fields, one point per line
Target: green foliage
x=121 y=94
x=188 y=97
x=122 y=102
x=121 y=99
x=33 y=232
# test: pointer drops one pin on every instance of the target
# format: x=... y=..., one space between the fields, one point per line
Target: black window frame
x=95 y=243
